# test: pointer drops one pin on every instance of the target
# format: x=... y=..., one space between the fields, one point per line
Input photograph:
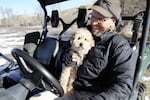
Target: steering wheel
x=23 y=57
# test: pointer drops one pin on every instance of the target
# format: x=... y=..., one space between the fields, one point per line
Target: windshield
x=68 y=11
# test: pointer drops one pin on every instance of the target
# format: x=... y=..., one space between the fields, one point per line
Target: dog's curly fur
x=81 y=42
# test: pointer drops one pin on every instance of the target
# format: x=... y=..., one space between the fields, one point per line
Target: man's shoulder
x=119 y=41
x=117 y=38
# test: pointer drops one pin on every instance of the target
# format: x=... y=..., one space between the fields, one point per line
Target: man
x=107 y=72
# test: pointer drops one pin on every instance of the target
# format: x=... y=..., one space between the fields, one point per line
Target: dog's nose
x=81 y=44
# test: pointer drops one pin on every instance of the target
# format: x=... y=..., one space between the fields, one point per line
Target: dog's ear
x=92 y=43
x=92 y=40
x=72 y=38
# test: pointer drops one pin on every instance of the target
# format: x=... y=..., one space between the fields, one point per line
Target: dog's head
x=82 y=41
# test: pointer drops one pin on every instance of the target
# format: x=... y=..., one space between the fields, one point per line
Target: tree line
x=9 y=19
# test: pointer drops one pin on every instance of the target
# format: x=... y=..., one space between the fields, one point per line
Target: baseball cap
x=108 y=8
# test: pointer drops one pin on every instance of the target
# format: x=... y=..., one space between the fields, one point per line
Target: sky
x=31 y=6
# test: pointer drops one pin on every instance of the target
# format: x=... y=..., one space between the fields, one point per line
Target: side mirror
x=82 y=18
x=54 y=18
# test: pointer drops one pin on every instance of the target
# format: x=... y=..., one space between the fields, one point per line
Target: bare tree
x=2 y=12
x=3 y=16
x=39 y=15
x=9 y=12
x=6 y=14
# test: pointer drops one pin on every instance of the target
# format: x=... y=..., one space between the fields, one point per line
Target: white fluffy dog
x=81 y=42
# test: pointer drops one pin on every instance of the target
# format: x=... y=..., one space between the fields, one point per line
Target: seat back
x=46 y=51
x=49 y=53
x=30 y=42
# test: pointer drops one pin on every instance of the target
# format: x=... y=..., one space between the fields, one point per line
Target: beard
x=97 y=31
x=99 y=34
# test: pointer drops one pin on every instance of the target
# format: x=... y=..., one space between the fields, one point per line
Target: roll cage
x=142 y=19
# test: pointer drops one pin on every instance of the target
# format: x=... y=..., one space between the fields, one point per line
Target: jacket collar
x=104 y=36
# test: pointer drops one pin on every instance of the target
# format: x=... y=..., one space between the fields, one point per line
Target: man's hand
x=71 y=59
x=76 y=58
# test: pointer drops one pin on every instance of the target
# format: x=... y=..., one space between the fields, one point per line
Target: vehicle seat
x=49 y=52
x=30 y=42
x=126 y=32
x=133 y=33
x=46 y=52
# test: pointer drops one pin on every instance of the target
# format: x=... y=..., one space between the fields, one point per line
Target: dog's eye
x=85 y=39
x=78 y=38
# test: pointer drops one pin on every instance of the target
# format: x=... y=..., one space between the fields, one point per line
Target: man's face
x=100 y=23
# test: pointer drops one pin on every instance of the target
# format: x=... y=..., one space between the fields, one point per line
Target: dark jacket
x=107 y=69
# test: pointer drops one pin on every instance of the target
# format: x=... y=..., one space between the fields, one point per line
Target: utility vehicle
x=38 y=68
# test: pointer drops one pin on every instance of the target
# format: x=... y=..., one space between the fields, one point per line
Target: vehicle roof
x=128 y=6
x=44 y=3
